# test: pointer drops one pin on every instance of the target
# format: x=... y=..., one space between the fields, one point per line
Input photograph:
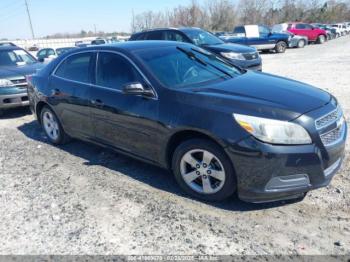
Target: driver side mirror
x=41 y=60
x=138 y=89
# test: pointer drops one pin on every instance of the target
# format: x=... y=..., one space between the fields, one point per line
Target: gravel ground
x=81 y=199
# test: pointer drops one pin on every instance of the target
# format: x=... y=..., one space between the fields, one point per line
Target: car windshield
x=15 y=58
x=178 y=67
x=200 y=37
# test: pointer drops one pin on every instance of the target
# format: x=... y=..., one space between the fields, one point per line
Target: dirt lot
x=80 y=198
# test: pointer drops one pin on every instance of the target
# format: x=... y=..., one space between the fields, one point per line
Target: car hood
x=230 y=47
x=264 y=95
x=11 y=71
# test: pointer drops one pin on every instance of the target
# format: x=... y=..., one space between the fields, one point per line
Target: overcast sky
x=71 y=16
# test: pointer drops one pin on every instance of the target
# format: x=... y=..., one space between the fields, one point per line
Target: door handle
x=97 y=102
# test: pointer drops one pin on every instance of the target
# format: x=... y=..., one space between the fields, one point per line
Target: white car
x=340 y=29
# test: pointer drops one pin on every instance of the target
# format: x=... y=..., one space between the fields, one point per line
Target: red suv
x=314 y=34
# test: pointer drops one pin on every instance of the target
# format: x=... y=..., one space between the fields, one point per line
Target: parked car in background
x=48 y=54
x=33 y=48
x=220 y=130
x=340 y=28
x=99 y=41
x=331 y=32
x=15 y=64
x=298 y=41
x=260 y=37
x=239 y=55
x=312 y=33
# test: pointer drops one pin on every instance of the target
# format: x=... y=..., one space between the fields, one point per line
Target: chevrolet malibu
x=219 y=129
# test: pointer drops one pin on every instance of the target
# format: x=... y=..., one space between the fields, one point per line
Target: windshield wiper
x=213 y=56
x=193 y=56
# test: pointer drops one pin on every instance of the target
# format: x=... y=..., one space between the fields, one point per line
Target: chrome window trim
x=132 y=64
x=63 y=60
x=96 y=63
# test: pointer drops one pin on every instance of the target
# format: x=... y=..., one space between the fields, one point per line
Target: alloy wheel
x=202 y=171
x=51 y=125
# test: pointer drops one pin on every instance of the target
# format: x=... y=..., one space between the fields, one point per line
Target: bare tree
x=223 y=15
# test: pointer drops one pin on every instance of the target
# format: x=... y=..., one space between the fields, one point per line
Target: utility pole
x=30 y=19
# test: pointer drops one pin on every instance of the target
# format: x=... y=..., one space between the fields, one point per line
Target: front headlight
x=233 y=55
x=274 y=131
x=5 y=83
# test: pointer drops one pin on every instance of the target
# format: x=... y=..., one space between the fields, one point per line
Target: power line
x=30 y=19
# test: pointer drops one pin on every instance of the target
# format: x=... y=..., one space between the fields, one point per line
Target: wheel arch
x=39 y=106
x=183 y=135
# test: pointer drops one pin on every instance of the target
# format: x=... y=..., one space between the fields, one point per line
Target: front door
x=127 y=122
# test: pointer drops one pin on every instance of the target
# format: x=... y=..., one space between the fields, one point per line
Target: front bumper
x=268 y=172
x=14 y=100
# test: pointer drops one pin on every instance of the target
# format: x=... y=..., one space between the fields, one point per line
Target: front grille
x=251 y=56
x=20 y=82
x=328 y=119
x=333 y=136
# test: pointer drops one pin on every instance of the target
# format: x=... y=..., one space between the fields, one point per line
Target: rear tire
x=280 y=47
x=52 y=127
x=203 y=170
x=301 y=43
x=321 y=39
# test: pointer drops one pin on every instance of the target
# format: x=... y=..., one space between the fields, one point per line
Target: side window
x=309 y=27
x=299 y=26
x=263 y=30
x=155 y=35
x=50 y=52
x=76 y=68
x=42 y=53
x=114 y=71
x=174 y=36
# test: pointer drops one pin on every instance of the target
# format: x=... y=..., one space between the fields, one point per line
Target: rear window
x=239 y=30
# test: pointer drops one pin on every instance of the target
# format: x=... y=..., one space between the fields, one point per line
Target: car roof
x=135 y=45
x=9 y=48
x=168 y=28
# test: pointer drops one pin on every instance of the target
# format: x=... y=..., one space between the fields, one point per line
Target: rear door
x=70 y=86
x=127 y=122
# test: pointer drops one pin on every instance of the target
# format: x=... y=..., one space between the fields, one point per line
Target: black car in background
x=219 y=129
x=243 y=56
x=15 y=64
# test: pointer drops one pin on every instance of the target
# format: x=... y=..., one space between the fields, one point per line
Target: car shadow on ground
x=145 y=173
x=15 y=113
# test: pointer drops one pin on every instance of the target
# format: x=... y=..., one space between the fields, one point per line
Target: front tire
x=321 y=39
x=301 y=43
x=52 y=127
x=203 y=170
x=281 y=47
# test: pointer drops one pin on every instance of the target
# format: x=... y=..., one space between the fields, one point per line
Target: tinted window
x=174 y=36
x=76 y=68
x=176 y=69
x=239 y=30
x=155 y=35
x=308 y=26
x=300 y=26
x=114 y=71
